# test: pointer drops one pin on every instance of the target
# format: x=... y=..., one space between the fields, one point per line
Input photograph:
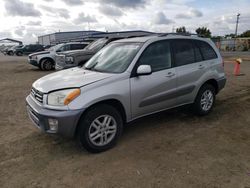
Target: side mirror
x=144 y=70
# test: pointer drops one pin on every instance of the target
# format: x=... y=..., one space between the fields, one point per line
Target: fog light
x=53 y=125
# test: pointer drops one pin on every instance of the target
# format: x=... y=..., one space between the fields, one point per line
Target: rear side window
x=77 y=46
x=157 y=55
x=206 y=50
x=183 y=52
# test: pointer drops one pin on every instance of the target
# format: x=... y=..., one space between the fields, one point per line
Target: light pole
x=236 y=30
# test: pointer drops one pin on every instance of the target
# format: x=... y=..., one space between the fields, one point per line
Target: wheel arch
x=112 y=102
x=214 y=83
x=43 y=58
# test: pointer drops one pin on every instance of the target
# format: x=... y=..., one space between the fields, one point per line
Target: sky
x=27 y=19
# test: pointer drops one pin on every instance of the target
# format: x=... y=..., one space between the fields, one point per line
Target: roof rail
x=182 y=34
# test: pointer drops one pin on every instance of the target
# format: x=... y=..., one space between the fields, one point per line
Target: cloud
x=190 y=14
x=34 y=23
x=19 y=8
x=84 y=19
x=196 y=13
x=60 y=12
x=125 y=3
x=20 y=31
x=5 y=34
x=161 y=19
x=73 y=2
x=110 y=10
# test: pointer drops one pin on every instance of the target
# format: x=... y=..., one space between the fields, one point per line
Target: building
x=238 y=44
x=59 y=37
x=78 y=36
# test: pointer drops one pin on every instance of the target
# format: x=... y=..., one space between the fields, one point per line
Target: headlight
x=69 y=59
x=63 y=97
x=34 y=57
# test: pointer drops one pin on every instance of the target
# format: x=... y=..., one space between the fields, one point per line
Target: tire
x=19 y=53
x=11 y=53
x=205 y=100
x=47 y=64
x=89 y=125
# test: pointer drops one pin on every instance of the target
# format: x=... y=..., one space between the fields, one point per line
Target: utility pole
x=236 y=30
x=237 y=22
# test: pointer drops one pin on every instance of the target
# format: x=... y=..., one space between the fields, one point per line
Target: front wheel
x=205 y=100
x=47 y=64
x=100 y=128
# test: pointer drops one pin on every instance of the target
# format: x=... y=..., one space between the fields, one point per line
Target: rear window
x=206 y=50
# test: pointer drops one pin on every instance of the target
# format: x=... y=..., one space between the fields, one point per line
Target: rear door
x=189 y=69
x=154 y=92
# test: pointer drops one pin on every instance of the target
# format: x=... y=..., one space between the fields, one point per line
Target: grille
x=37 y=95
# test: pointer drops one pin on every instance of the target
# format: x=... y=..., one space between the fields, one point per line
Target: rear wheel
x=19 y=53
x=205 y=100
x=47 y=64
x=11 y=53
x=100 y=128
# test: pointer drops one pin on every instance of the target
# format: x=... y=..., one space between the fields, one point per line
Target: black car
x=28 y=49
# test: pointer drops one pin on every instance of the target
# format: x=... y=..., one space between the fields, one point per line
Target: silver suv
x=126 y=80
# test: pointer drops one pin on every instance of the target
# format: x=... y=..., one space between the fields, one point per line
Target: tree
x=181 y=30
x=203 y=31
x=245 y=34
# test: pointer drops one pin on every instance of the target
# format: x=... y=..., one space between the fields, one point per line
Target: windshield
x=115 y=58
x=96 y=45
x=55 y=48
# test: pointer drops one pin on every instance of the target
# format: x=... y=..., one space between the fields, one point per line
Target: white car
x=45 y=60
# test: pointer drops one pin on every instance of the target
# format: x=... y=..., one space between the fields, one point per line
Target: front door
x=154 y=92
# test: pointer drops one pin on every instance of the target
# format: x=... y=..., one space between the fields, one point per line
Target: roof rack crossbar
x=182 y=34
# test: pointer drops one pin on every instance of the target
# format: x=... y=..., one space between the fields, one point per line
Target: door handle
x=170 y=74
x=201 y=66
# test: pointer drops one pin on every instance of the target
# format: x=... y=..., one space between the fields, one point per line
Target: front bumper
x=64 y=66
x=33 y=62
x=67 y=119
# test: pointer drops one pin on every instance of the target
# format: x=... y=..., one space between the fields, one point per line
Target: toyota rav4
x=126 y=80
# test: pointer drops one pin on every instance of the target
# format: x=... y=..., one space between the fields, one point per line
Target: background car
x=10 y=51
x=80 y=57
x=45 y=60
x=28 y=49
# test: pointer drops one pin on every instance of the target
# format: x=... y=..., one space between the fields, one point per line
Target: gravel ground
x=169 y=149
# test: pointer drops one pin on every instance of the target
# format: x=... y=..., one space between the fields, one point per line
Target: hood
x=70 y=78
x=39 y=53
x=77 y=52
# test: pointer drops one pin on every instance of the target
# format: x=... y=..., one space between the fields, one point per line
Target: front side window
x=115 y=58
x=157 y=55
x=183 y=52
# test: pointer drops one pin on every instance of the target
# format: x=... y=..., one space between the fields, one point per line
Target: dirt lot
x=170 y=149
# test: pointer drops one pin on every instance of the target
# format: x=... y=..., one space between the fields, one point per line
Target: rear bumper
x=67 y=119
x=221 y=83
